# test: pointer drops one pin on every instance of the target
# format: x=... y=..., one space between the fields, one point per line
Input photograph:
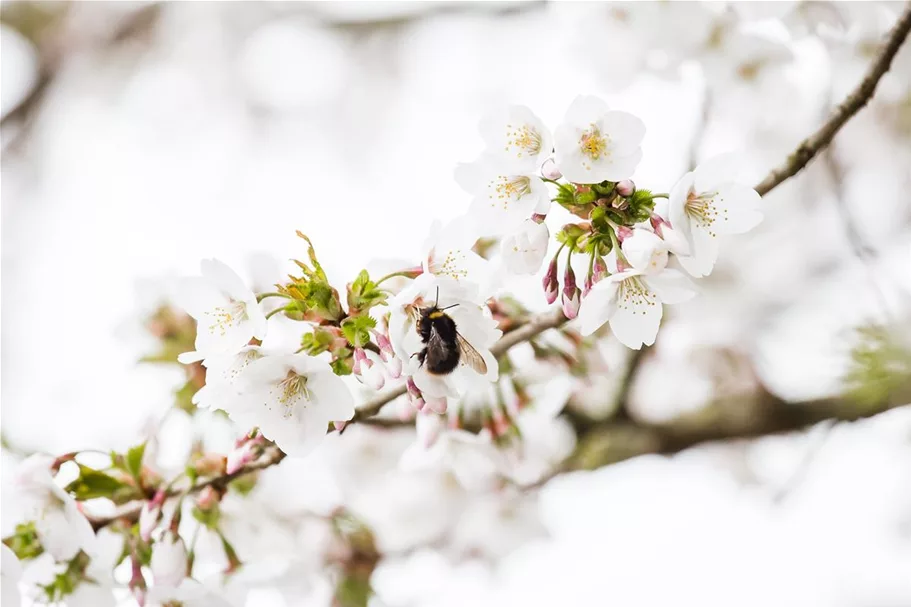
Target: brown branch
x=852 y=104
x=607 y=443
x=130 y=512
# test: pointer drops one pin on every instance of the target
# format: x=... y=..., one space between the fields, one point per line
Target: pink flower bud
x=208 y=498
x=412 y=388
x=623 y=233
x=340 y=425
x=674 y=240
x=246 y=451
x=550 y=282
x=386 y=350
x=150 y=515
x=361 y=362
x=549 y=170
x=571 y=301
x=587 y=284
x=626 y=187
x=599 y=270
x=394 y=367
x=538 y=218
x=569 y=279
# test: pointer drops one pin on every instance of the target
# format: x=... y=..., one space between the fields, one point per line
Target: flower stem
x=262 y=296
x=405 y=273
x=661 y=195
x=277 y=310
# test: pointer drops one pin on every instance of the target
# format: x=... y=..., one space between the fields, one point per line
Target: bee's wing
x=414 y=313
x=470 y=355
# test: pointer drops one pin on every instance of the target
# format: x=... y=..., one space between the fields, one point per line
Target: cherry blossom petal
x=672 y=286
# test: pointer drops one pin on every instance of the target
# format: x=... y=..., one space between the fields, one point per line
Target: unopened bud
x=150 y=515
x=550 y=283
x=538 y=218
x=571 y=302
x=246 y=451
x=361 y=362
x=626 y=187
x=208 y=498
x=599 y=270
x=549 y=170
x=623 y=233
x=394 y=367
x=385 y=346
x=340 y=425
x=413 y=389
x=587 y=284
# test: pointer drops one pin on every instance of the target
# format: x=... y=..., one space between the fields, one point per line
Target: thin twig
x=130 y=512
x=852 y=104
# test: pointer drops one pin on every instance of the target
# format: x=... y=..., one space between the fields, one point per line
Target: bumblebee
x=444 y=348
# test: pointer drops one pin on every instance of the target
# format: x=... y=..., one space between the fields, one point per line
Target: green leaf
x=356 y=330
x=134 y=460
x=311 y=254
x=93 y=483
x=343 y=366
x=364 y=294
x=24 y=541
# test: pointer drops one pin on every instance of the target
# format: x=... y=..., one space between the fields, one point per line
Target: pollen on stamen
x=593 y=144
x=525 y=139
x=290 y=391
x=505 y=189
x=225 y=317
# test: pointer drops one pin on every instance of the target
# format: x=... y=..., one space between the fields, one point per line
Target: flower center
x=239 y=363
x=524 y=139
x=701 y=208
x=450 y=265
x=291 y=390
x=505 y=189
x=227 y=317
x=593 y=145
x=634 y=294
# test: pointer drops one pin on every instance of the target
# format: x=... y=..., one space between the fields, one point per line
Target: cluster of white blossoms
x=484 y=416
x=292 y=398
x=638 y=248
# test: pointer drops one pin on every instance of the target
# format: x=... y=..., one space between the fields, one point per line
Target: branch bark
x=852 y=104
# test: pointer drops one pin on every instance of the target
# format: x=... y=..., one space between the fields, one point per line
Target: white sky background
x=233 y=125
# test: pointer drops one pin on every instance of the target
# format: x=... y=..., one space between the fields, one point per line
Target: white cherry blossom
x=502 y=198
x=447 y=252
x=472 y=320
x=471 y=458
x=225 y=309
x=169 y=560
x=516 y=138
x=710 y=202
x=62 y=528
x=632 y=300
x=524 y=249
x=595 y=143
x=10 y=573
x=292 y=399
x=222 y=372
x=645 y=251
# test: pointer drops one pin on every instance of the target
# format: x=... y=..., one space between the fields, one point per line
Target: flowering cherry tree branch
x=853 y=103
x=609 y=442
x=446 y=331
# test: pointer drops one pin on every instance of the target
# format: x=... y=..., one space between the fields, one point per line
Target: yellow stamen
x=524 y=139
